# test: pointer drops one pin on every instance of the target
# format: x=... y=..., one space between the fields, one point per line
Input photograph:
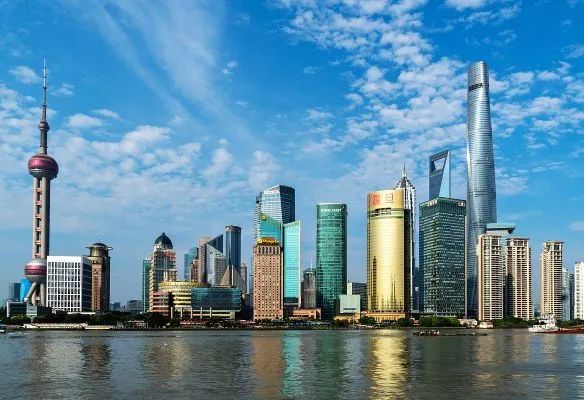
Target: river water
x=290 y=365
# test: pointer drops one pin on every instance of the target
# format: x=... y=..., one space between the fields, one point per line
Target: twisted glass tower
x=482 y=205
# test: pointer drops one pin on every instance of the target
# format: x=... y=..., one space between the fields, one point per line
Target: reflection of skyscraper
x=162 y=264
x=439 y=175
x=277 y=202
x=388 y=266
x=481 y=204
x=331 y=255
x=292 y=268
x=410 y=204
x=551 y=262
x=100 y=276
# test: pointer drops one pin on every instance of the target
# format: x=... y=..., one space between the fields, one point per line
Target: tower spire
x=43 y=124
x=404 y=170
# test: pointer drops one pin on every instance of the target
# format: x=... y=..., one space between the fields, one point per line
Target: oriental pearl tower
x=43 y=168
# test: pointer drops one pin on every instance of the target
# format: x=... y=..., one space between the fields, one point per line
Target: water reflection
x=388 y=364
x=267 y=365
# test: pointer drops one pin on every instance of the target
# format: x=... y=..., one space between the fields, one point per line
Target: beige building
x=518 y=286
x=162 y=265
x=550 y=265
x=268 y=300
x=490 y=277
x=100 y=276
x=388 y=249
x=181 y=294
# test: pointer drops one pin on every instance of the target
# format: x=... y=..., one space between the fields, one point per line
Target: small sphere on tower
x=36 y=270
x=43 y=165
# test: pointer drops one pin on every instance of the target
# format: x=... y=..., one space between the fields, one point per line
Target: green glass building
x=292 y=264
x=442 y=257
x=331 y=255
x=146 y=284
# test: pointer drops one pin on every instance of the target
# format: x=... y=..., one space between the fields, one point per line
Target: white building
x=551 y=292
x=69 y=283
x=518 y=278
x=579 y=290
x=349 y=303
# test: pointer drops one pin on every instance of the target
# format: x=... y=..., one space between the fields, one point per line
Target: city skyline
x=104 y=158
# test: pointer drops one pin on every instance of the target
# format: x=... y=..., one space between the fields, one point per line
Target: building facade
x=551 y=291
x=349 y=304
x=14 y=291
x=189 y=257
x=100 y=276
x=410 y=224
x=388 y=266
x=331 y=255
x=162 y=265
x=579 y=290
x=309 y=288
x=482 y=198
x=518 y=282
x=442 y=257
x=233 y=246
x=268 y=290
x=567 y=299
x=215 y=261
x=292 y=269
x=215 y=302
x=439 y=175
x=146 y=284
x=69 y=283
x=277 y=202
x=359 y=288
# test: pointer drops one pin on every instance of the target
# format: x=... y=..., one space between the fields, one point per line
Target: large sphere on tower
x=43 y=165
x=36 y=270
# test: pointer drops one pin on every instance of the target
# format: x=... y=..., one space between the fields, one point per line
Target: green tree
x=174 y=322
x=405 y=322
x=367 y=320
x=18 y=320
x=155 y=320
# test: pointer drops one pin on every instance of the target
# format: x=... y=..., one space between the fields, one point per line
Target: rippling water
x=290 y=364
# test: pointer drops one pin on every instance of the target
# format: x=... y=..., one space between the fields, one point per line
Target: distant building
x=14 y=291
x=24 y=288
x=100 y=276
x=292 y=260
x=233 y=246
x=309 y=288
x=222 y=302
x=579 y=290
x=360 y=289
x=69 y=283
x=567 y=299
x=146 y=284
x=349 y=304
x=277 y=202
x=189 y=257
x=161 y=302
x=572 y=289
x=439 y=175
x=268 y=283
x=518 y=282
x=162 y=265
x=134 y=307
x=551 y=292
x=181 y=294
x=410 y=235
x=215 y=261
x=331 y=255
x=304 y=313
x=198 y=272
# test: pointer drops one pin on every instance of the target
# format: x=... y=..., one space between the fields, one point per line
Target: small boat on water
x=438 y=333
x=547 y=324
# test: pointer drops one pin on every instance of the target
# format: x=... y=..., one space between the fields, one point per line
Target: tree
x=367 y=321
x=18 y=320
x=174 y=322
x=155 y=320
x=405 y=322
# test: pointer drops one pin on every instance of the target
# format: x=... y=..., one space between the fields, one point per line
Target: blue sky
x=170 y=116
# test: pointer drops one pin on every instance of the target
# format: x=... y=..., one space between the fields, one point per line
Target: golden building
x=181 y=293
x=388 y=249
x=268 y=288
x=100 y=276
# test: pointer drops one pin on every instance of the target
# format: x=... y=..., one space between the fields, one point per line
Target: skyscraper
x=233 y=246
x=14 y=291
x=579 y=290
x=551 y=292
x=442 y=259
x=388 y=252
x=439 y=175
x=268 y=288
x=410 y=225
x=69 y=283
x=146 y=284
x=100 y=276
x=277 y=202
x=518 y=286
x=189 y=257
x=566 y=316
x=331 y=255
x=162 y=265
x=292 y=270
x=43 y=169
x=215 y=261
x=309 y=288
x=482 y=198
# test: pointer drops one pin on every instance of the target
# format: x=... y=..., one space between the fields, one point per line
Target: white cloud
x=577 y=226
x=25 y=75
x=81 y=121
x=65 y=89
x=107 y=113
x=310 y=70
x=229 y=67
x=575 y=51
x=465 y=4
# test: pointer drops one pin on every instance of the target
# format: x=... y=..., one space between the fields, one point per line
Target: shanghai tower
x=43 y=168
x=482 y=207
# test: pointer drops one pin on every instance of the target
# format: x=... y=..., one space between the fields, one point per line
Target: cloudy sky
x=170 y=116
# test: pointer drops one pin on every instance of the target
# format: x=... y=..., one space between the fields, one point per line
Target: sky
x=170 y=116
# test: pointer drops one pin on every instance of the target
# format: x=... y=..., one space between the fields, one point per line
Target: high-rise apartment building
x=551 y=291
x=162 y=265
x=292 y=269
x=579 y=290
x=567 y=299
x=388 y=252
x=439 y=175
x=268 y=290
x=69 y=283
x=482 y=198
x=410 y=205
x=146 y=284
x=518 y=271
x=331 y=255
x=189 y=257
x=100 y=276
x=309 y=288
x=442 y=257
x=277 y=202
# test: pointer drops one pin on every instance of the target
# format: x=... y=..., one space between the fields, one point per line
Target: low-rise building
x=161 y=302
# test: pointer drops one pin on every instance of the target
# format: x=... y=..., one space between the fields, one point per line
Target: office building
x=567 y=300
x=277 y=202
x=331 y=255
x=491 y=271
x=189 y=257
x=410 y=222
x=349 y=304
x=439 y=175
x=518 y=281
x=482 y=198
x=221 y=302
x=551 y=291
x=268 y=293
x=162 y=265
x=442 y=276
x=198 y=273
x=359 y=288
x=146 y=284
x=14 y=291
x=579 y=290
x=233 y=246
x=292 y=269
x=181 y=294
x=69 y=283
x=100 y=276
x=215 y=261
x=309 y=288
x=388 y=252
x=43 y=169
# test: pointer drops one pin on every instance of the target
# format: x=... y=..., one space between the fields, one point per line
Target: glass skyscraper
x=215 y=261
x=292 y=261
x=277 y=202
x=146 y=284
x=192 y=254
x=442 y=258
x=233 y=246
x=439 y=175
x=270 y=228
x=331 y=255
x=309 y=288
x=481 y=203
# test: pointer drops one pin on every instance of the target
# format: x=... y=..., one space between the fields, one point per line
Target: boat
x=2 y=329
x=547 y=324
